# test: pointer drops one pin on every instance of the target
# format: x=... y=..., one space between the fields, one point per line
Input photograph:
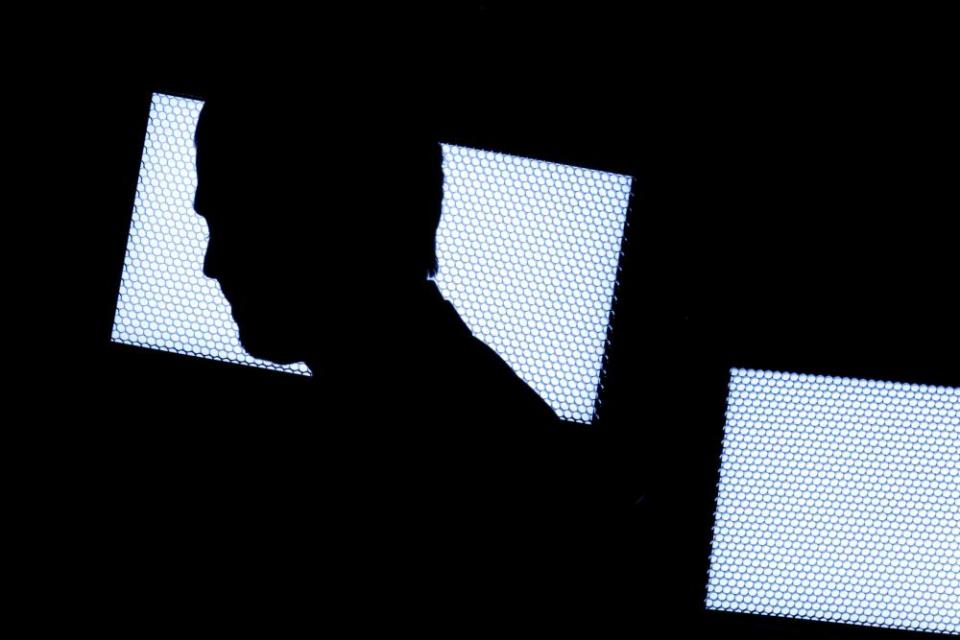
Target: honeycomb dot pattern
x=165 y=301
x=529 y=254
x=839 y=501
x=528 y=251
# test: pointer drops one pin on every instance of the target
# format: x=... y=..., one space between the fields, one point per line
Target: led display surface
x=839 y=500
x=528 y=255
x=165 y=301
x=528 y=252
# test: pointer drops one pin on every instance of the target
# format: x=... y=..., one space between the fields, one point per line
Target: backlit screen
x=839 y=500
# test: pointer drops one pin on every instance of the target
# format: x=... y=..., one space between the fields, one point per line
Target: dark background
x=795 y=209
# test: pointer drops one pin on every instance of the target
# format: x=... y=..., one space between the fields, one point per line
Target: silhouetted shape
x=322 y=237
x=431 y=454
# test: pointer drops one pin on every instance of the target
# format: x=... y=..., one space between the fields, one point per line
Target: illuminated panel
x=528 y=252
x=839 y=500
x=165 y=301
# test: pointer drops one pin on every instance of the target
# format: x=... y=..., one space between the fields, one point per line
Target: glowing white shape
x=528 y=254
x=165 y=301
x=839 y=500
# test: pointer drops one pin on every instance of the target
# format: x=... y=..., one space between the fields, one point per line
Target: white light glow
x=839 y=500
x=529 y=253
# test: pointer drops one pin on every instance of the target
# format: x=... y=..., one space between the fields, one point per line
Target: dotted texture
x=529 y=254
x=839 y=500
x=165 y=301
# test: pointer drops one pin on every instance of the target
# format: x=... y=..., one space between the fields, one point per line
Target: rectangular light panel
x=529 y=255
x=839 y=500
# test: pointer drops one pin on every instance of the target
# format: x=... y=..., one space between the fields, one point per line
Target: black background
x=794 y=209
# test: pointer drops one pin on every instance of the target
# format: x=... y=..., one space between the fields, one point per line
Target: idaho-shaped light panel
x=529 y=255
